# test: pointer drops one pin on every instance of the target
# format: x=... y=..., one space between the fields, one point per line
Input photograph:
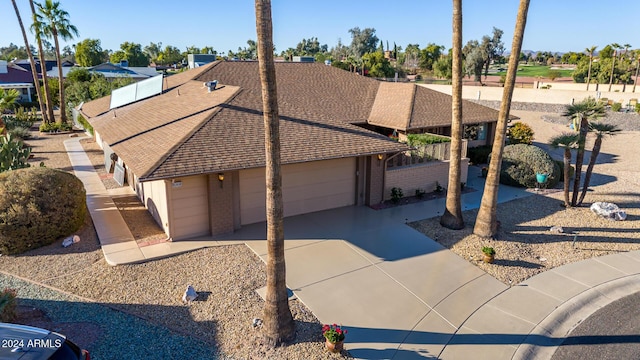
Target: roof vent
x=211 y=85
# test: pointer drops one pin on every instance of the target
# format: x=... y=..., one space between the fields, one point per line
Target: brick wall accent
x=221 y=205
x=423 y=177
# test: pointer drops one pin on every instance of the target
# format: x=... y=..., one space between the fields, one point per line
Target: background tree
x=486 y=222
x=131 y=52
x=32 y=63
x=172 y=55
x=429 y=55
x=601 y=130
x=411 y=58
x=8 y=100
x=492 y=47
x=590 y=51
x=57 y=26
x=566 y=141
x=582 y=112
x=89 y=53
x=363 y=41
x=474 y=62
x=279 y=326
x=36 y=28
x=637 y=57
x=452 y=216
x=616 y=47
x=443 y=67
x=378 y=65
x=152 y=51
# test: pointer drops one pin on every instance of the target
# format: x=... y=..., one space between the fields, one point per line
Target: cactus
x=13 y=153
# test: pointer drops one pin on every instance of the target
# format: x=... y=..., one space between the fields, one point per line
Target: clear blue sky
x=553 y=25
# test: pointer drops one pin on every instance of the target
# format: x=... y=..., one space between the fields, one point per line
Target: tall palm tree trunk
x=43 y=66
x=589 y=72
x=486 y=222
x=452 y=217
x=637 y=66
x=584 y=129
x=63 y=106
x=32 y=62
x=565 y=183
x=597 y=145
x=279 y=326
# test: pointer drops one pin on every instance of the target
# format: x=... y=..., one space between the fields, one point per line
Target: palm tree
x=582 y=112
x=590 y=51
x=36 y=28
x=637 y=54
x=601 y=131
x=58 y=27
x=452 y=217
x=279 y=326
x=486 y=222
x=34 y=70
x=567 y=141
x=617 y=47
x=626 y=48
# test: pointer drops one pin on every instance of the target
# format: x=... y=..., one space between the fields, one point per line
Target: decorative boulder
x=608 y=210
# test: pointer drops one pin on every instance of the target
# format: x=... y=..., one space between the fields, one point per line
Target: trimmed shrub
x=54 y=127
x=572 y=170
x=638 y=108
x=38 y=206
x=85 y=124
x=19 y=133
x=425 y=139
x=520 y=133
x=616 y=107
x=521 y=163
x=479 y=154
x=8 y=305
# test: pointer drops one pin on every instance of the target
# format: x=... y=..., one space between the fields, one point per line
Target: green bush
x=39 y=205
x=616 y=107
x=53 y=127
x=396 y=194
x=13 y=153
x=479 y=154
x=521 y=163
x=638 y=108
x=85 y=124
x=8 y=305
x=20 y=133
x=425 y=139
x=520 y=133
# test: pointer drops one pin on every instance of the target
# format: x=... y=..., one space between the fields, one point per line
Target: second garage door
x=307 y=187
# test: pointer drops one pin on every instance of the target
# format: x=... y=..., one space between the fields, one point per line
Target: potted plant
x=334 y=336
x=489 y=254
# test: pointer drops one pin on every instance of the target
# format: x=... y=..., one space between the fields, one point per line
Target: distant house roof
x=199 y=132
x=110 y=71
x=13 y=74
x=25 y=64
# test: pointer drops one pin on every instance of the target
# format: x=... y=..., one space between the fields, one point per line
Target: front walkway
x=400 y=294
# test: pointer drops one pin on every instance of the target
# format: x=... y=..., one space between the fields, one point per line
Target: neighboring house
x=49 y=64
x=15 y=77
x=110 y=71
x=194 y=153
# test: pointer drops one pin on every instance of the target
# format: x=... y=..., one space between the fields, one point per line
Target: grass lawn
x=537 y=70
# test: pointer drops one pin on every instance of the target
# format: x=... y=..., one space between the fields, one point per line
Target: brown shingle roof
x=393 y=105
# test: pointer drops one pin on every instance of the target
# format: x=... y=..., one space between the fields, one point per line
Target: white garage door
x=189 y=202
x=306 y=187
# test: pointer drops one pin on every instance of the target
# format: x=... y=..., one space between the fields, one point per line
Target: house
x=111 y=71
x=194 y=151
x=49 y=64
x=15 y=77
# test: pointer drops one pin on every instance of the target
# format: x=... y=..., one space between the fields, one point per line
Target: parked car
x=32 y=343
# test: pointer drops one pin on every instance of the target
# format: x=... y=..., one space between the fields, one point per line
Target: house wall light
x=380 y=156
x=221 y=178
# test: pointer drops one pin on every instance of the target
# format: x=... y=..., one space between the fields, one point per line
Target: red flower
x=325 y=328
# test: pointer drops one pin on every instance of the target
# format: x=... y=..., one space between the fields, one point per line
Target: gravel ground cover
x=107 y=333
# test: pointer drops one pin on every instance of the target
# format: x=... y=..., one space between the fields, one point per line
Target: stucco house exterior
x=194 y=154
x=15 y=77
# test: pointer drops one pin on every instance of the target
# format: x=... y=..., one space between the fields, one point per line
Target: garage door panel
x=190 y=208
x=307 y=187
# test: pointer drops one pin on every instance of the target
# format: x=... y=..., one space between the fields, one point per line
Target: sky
x=553 y=25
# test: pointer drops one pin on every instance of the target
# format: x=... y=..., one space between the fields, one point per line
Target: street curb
x=566 y=317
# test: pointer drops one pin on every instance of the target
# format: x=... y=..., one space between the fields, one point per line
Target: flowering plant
x=333 y=333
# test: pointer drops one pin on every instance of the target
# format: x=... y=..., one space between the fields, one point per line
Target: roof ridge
x=412 y=105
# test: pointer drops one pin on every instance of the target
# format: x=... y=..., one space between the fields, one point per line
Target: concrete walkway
x=400 y=294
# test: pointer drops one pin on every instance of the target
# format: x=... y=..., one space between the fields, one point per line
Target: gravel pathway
x=119 y=334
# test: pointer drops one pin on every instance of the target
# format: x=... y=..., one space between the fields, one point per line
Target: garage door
x=190 y=207
x=307 y=187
